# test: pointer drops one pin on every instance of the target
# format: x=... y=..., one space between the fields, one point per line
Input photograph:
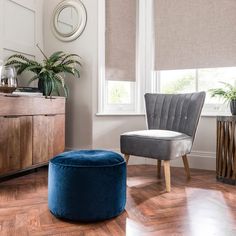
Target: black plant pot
x=233 y=107
x=42 y=87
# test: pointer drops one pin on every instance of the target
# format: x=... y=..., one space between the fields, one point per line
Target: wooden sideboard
x=32 y=130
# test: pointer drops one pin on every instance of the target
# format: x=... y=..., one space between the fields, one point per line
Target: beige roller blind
x=194 y=33
x=120 y=40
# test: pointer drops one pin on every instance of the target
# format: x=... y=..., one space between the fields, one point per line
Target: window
x=187 y=81
x=119 y=96
x=118 y=29
x=177 y=81
x=125 y=55
x=212 y=78
x=119 y=92
x=128 y=46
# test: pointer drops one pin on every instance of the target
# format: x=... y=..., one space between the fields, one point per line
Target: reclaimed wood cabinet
x=32 y=130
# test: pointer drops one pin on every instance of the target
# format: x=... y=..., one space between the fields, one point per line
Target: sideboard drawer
x=21 y=106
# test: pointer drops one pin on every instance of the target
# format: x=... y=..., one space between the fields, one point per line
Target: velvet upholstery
x=172 y=122
x=87 y=186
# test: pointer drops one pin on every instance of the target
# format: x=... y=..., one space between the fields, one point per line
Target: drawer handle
x=50 y=115
x=11 y=116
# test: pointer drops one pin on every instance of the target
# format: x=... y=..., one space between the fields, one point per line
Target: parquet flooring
x=199 y=207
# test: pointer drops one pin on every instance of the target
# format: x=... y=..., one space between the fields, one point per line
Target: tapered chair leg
x=127 y=158
x=167 y=175
x=186 y=166
x=159 y=169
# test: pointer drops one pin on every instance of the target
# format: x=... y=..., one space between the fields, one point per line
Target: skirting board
x=197 y=160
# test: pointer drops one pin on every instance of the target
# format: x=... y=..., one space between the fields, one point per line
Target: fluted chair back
x=175 y=112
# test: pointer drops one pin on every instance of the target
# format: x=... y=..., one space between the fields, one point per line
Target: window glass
x=119 y=92
x=178 y=81
x=213 y=78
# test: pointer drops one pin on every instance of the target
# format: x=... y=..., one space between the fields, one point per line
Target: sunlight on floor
x=208 y=212
x=133 y=228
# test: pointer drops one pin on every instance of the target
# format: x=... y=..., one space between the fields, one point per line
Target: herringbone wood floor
x=201 y=206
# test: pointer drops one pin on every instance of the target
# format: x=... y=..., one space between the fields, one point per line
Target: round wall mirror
x=69 y=20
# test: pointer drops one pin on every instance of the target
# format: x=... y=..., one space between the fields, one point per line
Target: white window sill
x=212 y=114
x=119 y=114
x=204 y=114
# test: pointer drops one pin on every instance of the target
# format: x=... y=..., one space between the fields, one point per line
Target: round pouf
x=87 y=185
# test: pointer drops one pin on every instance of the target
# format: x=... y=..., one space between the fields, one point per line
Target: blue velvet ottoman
x=87 y=185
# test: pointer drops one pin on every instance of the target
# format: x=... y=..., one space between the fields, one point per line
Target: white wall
x=21 y=29
x=79 y=104
x=83 y=128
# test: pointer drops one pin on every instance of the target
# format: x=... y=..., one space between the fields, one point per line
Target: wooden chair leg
x=159 y=169
x=127 y=158
x=186 y=166
x=167 y=175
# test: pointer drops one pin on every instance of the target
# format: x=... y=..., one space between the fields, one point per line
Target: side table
x=226 y=149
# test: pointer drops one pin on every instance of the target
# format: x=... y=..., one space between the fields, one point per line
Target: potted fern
x=49 y=72
x=228 y=94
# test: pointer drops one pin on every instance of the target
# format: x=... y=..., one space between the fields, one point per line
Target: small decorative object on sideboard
x=50 y=72
x=226 y=149
x=228 y=94
x=27 y=91
x=8 y=81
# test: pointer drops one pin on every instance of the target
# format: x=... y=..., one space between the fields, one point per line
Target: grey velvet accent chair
x=172 y=121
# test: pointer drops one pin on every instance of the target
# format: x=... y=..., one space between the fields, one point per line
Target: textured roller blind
x=195 y=33
x=120 y=39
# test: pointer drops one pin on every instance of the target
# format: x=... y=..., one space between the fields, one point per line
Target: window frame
x=144 y=61
x=119 y=107
x=103 y=106
x=209 y=109
x=147 y=79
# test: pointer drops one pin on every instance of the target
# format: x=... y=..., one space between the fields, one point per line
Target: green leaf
x=14 y=62
x=69 y=56
x=48 y=71
x=55 y=57
x=61 y=83
x=33 y=79
x=66 y=90
x=69 y=62
x=56 y=87
x=18 y=56
x=78 y=73
x=227 y=85
x=22 y=68
x=228 y=93
x=33 y=68
x=46 y=89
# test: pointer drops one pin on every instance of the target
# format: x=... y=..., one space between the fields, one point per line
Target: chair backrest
x=176 y=112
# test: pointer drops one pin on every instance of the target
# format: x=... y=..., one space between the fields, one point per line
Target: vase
x=233 y=107
x=8 y=80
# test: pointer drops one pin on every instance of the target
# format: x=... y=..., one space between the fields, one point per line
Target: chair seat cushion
x=158 y=144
